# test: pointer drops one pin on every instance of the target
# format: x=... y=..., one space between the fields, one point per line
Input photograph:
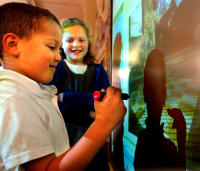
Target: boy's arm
x=110 y=111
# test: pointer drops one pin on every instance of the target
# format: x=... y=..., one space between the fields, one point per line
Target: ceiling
x=63 y=8
x=60 y=8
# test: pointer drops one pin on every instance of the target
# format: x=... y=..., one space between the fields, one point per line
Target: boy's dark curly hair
x=22 y=20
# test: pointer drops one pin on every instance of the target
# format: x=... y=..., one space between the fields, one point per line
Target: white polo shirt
x=31 y=125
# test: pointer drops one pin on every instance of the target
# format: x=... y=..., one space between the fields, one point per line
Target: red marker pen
x=98 y=95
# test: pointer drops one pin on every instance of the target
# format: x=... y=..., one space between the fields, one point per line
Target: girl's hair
x=22 y=19
x=89 y=58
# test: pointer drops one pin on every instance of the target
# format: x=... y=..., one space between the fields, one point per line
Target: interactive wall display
x=173 y=27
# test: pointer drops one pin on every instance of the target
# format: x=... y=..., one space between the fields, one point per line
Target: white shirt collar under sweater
x=32 y=86
x=77 y=69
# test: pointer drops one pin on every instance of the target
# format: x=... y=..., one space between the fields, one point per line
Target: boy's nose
x=58 y=57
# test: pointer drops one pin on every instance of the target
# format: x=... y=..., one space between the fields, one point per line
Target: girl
x=76 y=78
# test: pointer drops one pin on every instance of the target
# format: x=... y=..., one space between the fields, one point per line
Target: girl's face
x=75 y=44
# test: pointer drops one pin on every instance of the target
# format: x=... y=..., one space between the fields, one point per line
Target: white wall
x=62 y=8
x=6 y=1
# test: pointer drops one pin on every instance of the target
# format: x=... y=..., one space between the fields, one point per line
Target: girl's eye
x=69 y=40
x=81 y=40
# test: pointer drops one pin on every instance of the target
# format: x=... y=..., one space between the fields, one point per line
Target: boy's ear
x=10 y=41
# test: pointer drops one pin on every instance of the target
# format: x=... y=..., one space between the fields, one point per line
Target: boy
x=32 y=132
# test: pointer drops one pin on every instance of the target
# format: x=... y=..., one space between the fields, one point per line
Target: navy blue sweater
x=76 y=106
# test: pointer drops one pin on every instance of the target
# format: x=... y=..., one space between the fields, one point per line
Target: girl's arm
x=102 y=78
x=76 y=103
x=76 y=106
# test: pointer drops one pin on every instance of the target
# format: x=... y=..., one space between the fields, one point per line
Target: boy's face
x=40 y=55
x=75 y=44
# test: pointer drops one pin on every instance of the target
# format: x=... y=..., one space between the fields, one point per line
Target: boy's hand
x=111 y=110
x=93 y=113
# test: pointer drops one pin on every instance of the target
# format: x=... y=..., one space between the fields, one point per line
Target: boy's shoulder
x=8 y=84
x=13 y=84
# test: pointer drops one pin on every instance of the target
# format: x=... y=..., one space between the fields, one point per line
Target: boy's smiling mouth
x=52 y=67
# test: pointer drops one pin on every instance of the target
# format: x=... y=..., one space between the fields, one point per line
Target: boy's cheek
x=48 y=79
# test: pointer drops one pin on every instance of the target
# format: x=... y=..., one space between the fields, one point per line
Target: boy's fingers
x=112 y=91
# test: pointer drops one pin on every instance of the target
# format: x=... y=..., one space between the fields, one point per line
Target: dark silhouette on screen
x=153 y=150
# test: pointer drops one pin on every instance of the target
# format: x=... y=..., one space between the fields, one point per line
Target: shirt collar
x=36 y=88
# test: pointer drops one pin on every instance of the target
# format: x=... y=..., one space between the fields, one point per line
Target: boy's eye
x=51 y=47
